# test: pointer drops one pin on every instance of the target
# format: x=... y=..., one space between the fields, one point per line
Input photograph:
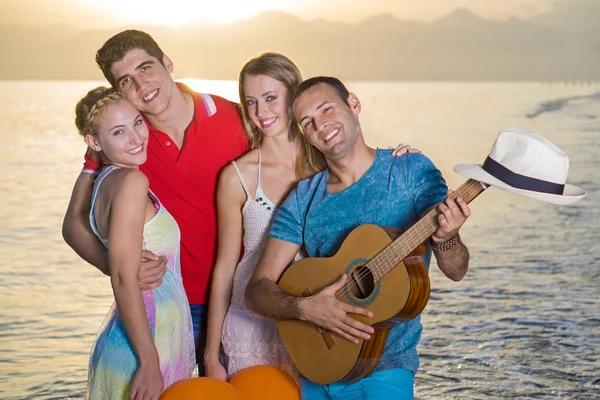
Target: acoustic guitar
x=384 y=276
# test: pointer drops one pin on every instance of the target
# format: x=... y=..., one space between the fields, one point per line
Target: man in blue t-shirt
x=362 y=185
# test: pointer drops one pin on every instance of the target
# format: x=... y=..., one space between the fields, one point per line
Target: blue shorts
x=397 y=384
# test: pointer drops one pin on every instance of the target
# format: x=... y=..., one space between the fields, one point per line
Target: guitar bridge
x=329 y=339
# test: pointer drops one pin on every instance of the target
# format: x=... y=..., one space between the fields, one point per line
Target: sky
x=114 y=13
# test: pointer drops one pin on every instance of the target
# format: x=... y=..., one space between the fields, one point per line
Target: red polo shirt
x=186 y=180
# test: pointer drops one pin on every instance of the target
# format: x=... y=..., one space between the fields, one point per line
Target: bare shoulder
x=230 y=184
x=228 y=175
x=128 y=182
x=248 y=160
x=248 y=166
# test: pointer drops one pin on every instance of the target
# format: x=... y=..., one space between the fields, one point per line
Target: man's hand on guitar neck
x=326 y=311
x=453 y=214
x=450 y=252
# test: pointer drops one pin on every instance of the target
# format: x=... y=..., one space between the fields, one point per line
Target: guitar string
x=390 y=257
x=469 y=192
x=378 y=262
x=383 y=259
x=471 y=189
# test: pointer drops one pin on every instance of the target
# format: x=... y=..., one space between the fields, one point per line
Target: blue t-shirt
x=393 y=192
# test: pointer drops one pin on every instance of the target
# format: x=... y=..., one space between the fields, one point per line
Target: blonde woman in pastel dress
x=146 y=341
x=249 y=192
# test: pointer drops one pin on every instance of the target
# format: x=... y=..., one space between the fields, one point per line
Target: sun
x=176 y=13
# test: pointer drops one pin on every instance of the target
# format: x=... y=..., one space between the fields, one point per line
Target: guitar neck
x=400 y=248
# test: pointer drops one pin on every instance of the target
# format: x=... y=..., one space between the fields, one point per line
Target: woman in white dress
x=249 y=192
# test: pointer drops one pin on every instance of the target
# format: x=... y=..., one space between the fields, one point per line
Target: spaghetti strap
x=242 y=178
x=259 y=164
x=248 y=338
x=260 y=195
x=107 y=170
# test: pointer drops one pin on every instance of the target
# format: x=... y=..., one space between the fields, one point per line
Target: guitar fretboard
x=400 y=248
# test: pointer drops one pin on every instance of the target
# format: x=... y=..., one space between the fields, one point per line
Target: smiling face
x=122 y=135
x=329 y=123
x=266 y=100
x=144 y=81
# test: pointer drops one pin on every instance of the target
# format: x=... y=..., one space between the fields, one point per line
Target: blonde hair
x=88 y=109
x=282 y=69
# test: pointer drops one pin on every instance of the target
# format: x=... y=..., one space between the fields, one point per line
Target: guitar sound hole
x=361 y=283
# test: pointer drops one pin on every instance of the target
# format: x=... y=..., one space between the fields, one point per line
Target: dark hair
x=329 y=80
x=115 y=48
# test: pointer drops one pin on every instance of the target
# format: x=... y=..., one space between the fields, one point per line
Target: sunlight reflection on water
x=523 y=324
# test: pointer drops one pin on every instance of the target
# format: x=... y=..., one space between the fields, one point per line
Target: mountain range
x=561 y=45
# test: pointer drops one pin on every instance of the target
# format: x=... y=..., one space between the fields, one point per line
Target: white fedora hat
x=525 y=163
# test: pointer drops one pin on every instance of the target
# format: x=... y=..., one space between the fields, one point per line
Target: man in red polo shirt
x=192 y=136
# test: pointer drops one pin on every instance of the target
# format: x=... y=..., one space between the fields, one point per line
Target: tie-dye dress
x=113 y=362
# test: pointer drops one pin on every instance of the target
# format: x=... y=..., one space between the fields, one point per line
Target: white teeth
x=136 y=150
x=331 y=134
x=151 y=95
x=268 y=122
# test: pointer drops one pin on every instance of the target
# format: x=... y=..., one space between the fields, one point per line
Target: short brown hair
x=115 y=48
x=335 y=83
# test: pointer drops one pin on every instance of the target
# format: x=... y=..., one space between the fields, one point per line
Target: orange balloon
x=201 y=389
x=265 y=382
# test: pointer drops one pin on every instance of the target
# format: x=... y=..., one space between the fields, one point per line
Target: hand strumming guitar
x=324 y=310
